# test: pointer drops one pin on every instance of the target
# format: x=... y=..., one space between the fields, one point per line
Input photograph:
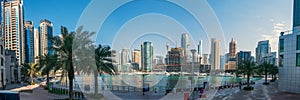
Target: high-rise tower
x=46 y=31
x=232 y=48
x=29 y=42
x=215 y=54
x=147 y=56
x=185 y=43
x=200 y=51
x=13 y=27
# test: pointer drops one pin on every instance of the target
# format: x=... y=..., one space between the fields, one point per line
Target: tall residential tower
x=215 y=54
x=45 y=31
x=13 y=27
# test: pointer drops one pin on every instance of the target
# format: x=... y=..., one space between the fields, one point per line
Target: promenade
x=260 y=92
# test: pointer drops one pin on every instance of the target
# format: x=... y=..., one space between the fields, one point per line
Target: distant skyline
x=248 y=21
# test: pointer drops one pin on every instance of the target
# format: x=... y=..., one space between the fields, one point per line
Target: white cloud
x=274 y=34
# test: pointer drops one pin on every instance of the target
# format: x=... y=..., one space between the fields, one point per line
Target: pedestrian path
x=40 y=94
x=261 y=92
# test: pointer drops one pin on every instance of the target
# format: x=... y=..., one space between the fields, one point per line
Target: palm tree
x=32 y=70
x=66 y=47
x=97 y=61
x=48 y=63
x=63 y=45
x=247 y=67
x=273 y=72
x=104 y=63
x=265 y=68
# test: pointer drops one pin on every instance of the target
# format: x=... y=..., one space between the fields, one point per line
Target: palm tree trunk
x=272 y=76
x=71 y=77
x=248 y=80
x=266 y=76
x=31 y=76
x=48 y=82
x=96 y=81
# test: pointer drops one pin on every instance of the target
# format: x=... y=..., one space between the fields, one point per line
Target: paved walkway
x=260 y=92
x=40 y=94
x=12 y=86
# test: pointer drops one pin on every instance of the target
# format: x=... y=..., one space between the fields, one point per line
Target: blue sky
x=248 y=21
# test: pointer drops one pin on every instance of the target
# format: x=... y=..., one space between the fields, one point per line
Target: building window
x=281 y=45
x=298 y=59
x=281 y=61
x=298 y=42
x=2 y=61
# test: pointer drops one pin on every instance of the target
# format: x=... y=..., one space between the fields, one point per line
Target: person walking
x=240 y=85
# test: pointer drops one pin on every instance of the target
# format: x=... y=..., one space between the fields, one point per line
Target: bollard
x=60 y=91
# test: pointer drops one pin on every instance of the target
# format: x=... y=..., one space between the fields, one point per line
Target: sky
x=247 y=21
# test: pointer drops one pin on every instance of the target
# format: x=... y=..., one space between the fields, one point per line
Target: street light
x=193 y=64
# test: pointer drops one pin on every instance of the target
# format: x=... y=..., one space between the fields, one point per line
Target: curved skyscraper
x=185 y=44
x=147 y=56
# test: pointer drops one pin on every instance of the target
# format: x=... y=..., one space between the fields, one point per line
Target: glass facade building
x=29 y=42
x=185 y=43
x=262 y=50
x=243 y=55
x=147 y=56
x=296 y=18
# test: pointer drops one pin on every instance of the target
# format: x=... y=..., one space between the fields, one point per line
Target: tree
x=96 y=61
x=63 y=45
x=274 y=72
x=32 y=70
x=104 y=63
x=265 y=68
x=68 y=44
x=48 y=63
x=246 y=67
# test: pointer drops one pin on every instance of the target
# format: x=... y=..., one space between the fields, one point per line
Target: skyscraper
x=175 y=57
x=147 y=56
x=232 y=48
x=13 y=27
x=205 y=59
x=262 y=50
x=29 y=42
x=125 y=56
x=222 y=62
x=136 y=57
x=200 y=51
x=46 y=31
x=215 y=54
x=36 y=44
x=296 y=18
x=231 y=63
x=185 y=43
x=243 y=55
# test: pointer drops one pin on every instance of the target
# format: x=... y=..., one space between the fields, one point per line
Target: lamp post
x=143 y=75
x=193 y=64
